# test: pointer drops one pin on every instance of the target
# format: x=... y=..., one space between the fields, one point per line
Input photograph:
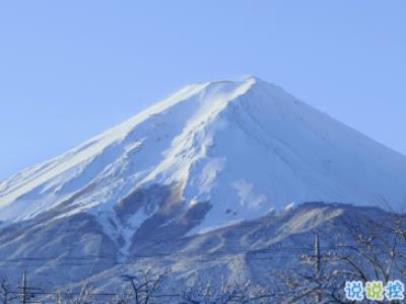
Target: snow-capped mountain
x=210 y=155
x=188 y=187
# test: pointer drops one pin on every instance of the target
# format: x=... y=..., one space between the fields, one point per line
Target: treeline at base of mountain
x=358 y=244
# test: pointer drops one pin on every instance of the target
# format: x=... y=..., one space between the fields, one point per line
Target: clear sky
x=71 y=69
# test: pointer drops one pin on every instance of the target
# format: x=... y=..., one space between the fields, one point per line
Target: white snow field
x=246 y=147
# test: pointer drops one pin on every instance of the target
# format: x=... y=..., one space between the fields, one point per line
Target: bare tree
x=4 y=291
x=143 y=287
x=69 y=297
x=222 y=293
x=370 y=248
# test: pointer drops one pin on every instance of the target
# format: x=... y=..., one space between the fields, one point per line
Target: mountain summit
x=210 y=155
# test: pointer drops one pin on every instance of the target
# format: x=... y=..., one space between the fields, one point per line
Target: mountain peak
x=254 y=79
x=216 y=152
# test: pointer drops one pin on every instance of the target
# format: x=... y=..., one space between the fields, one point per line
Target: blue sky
x=71 y=69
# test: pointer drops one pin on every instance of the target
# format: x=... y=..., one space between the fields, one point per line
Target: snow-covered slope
x=72 y=251
x=243 y=148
